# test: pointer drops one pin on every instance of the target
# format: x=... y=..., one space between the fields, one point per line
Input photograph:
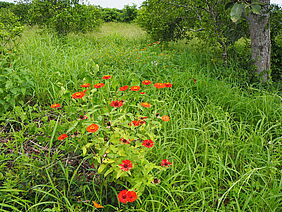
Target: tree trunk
x=260 y=40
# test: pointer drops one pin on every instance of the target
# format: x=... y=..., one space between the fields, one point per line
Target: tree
x=209 y=20
x=258 y=18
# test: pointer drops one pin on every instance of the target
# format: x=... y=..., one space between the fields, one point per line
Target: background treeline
x=218 y=25
x=64 y=16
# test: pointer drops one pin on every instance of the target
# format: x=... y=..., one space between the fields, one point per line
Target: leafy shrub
x=65 y=16
x=10 y=27
x=127 y=14
x=16 y=84
x=111 y=14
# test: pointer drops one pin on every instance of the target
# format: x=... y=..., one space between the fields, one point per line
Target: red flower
x=55 y=106
x=99 y=85
x=78 y=95
x=146 y=82
x=116 y=103
x=83 y=117
x=142 y=92
x=84 y=91
x=137 y=123
x=168 y=85
x=124 y=88
x=148 y=143
x=165 y=118
x=145 y=104
x=131 y=196
x=165 y=163
x=135 y=88
x=126 y=165
x=107 y=77
x=159 y=85
x=124 y=141
x=92 y=128
x=126 y=196
x=62 y=137
x=122 y=196
x=85 y=85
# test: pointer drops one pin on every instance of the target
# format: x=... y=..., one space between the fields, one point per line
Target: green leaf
x=108 y=172
x=229 y=4
x=85 y=147
x=236 y=12
x=72 y=127
x=119 y=174
x=101 y=168
x=256 y=9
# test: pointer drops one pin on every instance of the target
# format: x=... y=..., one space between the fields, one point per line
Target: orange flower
x=92 y=128
x=78 y=95
x=123 y=88
x=99 y=85
x=85 y=85
x=62 y=137
x=168 y=85
x=145 y=104
x=159 y=85
x=165 y=118
x=142 y=93
x=146 y=82
x=96 y=205
x=135 y=88
x=137 y=123
x=55 y=105
x=107 y=77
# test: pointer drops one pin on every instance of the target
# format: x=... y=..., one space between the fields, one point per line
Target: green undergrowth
x=224 y=141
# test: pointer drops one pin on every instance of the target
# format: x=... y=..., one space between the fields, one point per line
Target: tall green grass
x=224 y=142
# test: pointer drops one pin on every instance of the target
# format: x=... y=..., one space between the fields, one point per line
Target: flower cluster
x=119 y=132
x=126 y=196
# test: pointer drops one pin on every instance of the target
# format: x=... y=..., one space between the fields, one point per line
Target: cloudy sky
x=120 y=3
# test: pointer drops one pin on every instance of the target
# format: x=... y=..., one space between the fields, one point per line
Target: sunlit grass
x=224 y=142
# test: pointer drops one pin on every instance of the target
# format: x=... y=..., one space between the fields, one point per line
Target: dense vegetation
x=103 y=117
x=212 y=22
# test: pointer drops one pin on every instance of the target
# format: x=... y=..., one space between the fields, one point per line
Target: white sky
x=115 y=3
x=120 y=3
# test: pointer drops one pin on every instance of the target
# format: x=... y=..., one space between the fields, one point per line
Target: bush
x=127 y=14
x=65 y=17
x=15 y=84
x=10 y=27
